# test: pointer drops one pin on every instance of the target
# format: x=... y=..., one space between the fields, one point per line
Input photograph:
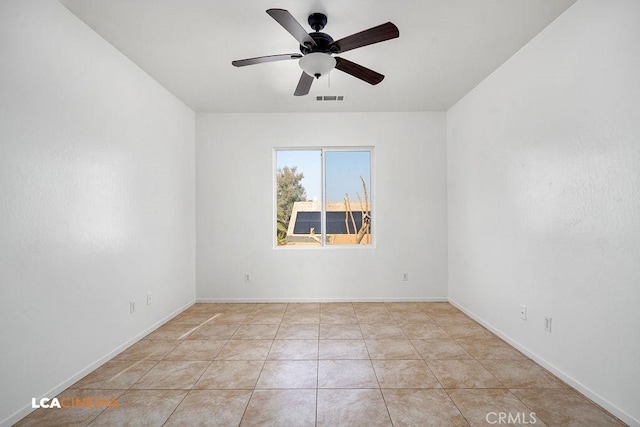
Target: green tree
x=289 y=191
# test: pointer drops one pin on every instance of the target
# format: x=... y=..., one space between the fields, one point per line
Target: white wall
x=235 y=209
x=544 y=205
x=97 y=202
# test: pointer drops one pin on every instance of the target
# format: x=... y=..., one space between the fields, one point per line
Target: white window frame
x=370 y=186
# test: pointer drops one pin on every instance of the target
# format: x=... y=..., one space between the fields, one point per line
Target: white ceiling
x=445 y=48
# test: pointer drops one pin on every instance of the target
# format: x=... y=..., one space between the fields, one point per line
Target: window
x=323 y=197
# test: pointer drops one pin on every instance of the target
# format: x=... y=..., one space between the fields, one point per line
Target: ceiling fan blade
x=263 y=59
x=358 y=71
x=304 y=84
x=364 y=38
x=290 y=24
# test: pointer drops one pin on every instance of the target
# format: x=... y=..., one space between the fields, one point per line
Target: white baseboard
x=20 y=414
x=303 y=300
x=590 y=394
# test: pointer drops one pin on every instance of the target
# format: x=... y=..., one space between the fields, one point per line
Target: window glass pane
x=348 y=197
x=298 y=193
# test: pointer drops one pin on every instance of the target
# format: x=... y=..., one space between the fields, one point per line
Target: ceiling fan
x=318 y=49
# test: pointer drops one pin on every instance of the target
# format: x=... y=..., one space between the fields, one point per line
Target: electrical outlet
x=132 y=307
x=149 y=299
x=247 y=277
x=547 y=324
x=523 y=312
x=405 y=277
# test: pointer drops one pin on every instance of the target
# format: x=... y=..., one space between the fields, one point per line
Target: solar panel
x=305 y=221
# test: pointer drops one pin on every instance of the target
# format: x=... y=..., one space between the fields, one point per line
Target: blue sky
x=344 y=169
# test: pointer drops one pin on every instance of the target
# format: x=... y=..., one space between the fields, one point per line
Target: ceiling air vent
x=330 y=98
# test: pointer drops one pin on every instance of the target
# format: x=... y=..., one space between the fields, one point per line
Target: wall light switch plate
x=523 y=312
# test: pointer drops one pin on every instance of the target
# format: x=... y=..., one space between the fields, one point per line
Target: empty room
x=319 y=213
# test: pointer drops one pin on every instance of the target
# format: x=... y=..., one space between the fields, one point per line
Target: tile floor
x=334 y=364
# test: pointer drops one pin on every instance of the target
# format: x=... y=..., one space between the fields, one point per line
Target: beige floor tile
x=294 y=350
x=565 y=407
x=288 y=374
x=440 y=349
x=171 y=331
x=270 y=308
x=301 y=318
x=391 y=349
x=340 y=332
x=233 y=307
x=230 y=318
x=452 y=318
x=381 y=331
x=440 y=308
x=472 y=330
x=213 y=331
x=255 y=332
x=141 y=407
x=148 y=350
x=343 y=349
x=490 y=349
x=346 y=374
x=356 y=407
x=424 y=331
x=230 y=374
x=412 y=317
x=297 y=332
x=171 y=375
x=462 y=374
x=404 y=307
x=281 y=408
x=404 y=374
x=370 y=306
x=303 y=308
x=482 y=407
x=339 y=318
x=263 y=318
x=410 y=407
x=193 y=318
x=210 y=408
x=205 y=308
x=224 y=307
x=115 y=375
x=285 y=364
x=196 y=350
x=245 y=350
x=375 y=317
x=521 y=374
x=342 y=307
x=77 y=416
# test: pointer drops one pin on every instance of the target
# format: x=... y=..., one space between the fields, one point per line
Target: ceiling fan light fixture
x=317 y=64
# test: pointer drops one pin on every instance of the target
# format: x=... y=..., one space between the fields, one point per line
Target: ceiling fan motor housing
x=322 y=43
x=317 y=21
